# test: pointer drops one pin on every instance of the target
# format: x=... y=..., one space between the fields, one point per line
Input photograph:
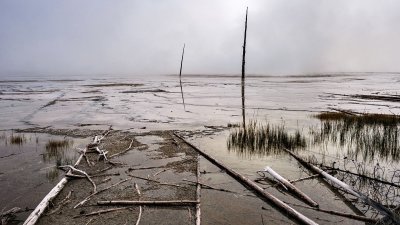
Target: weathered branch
x=291 y=187
x=164 y=203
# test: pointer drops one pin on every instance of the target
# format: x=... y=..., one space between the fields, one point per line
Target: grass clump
x=360 y=119
x=55 y=150
x=368 y=136
x=17 y=139
x=263 y=139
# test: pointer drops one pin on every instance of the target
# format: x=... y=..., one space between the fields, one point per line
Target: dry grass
x=17 y=139
x=362 y=119
x=57 y=144
x=263 y=139
x=369 y=136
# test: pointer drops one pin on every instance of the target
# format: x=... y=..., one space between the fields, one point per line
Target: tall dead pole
x=243 y=70
x=180 y=77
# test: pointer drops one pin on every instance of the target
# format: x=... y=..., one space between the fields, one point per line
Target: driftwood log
x=291 y=187
x=198 y=193
x=164 y=203
x=379 y=207
x=257 y=189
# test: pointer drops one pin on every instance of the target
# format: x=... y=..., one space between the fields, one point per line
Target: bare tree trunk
x=180 y=77
x=243 y=72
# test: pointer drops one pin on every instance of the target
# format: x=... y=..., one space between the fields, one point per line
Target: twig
x=101 y=212
x=82 y=172
x=217 y=189
x=304 y=178
x=102 y=190
x=163 y=170
x=156 y=181
x=91 y=219
x=120 y=153
x=62 y=203
x=146 y=168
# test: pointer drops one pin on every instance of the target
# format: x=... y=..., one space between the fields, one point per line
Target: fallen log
x=291 y=187
x=361 y=175
x=379 y=207
x=198 y=193
x=164 y=203
x=34 y=216
x=257 y=189
x=342 y=214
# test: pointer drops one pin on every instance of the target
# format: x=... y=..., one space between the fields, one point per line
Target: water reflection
x=57 y=151
x=16 y=139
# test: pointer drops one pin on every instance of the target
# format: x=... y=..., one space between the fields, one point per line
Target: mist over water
x=98 y=38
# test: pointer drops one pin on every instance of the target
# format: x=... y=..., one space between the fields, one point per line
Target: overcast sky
x=55 y=37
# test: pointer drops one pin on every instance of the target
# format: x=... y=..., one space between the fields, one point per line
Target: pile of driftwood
x=72 y=172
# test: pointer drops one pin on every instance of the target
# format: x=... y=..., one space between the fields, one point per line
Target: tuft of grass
x=55 y=149
x=57 y=144
x=17 y=139
x=263 y=139
x=361 y=119
x=368 y=136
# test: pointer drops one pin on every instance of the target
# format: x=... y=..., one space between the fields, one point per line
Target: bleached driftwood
x=140 y=207
x=257 y=189
x=102 y=212
x=291 y=187
x=164 y=203
x=198 y=193
x=34 y=216
x=341 y=214
x=379 y=207
x=120 y=153
x=82 y=172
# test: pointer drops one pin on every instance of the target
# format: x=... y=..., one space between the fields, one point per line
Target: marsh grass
x=369 y=136
x=17 y=139
x=56 y=150
x=263 y=139
x=361 y=119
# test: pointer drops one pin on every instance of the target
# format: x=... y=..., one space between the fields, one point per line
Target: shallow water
x=211 y=103
x=29 y=170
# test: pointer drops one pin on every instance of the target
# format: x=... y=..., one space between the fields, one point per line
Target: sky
x=132 y=37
